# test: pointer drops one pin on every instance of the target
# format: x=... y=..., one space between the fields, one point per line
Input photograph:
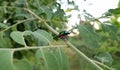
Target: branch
x=68 y=43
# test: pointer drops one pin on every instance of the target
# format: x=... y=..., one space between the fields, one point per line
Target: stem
x=101 y=64
x=16 y=24
x=40 y=19
x=51 y=29
x=68 y=43
x=83 y=56
x=33 y=47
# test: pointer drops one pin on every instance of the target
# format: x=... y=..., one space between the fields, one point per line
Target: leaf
x=59 y=13
x=49 y=60
x=110 y=29
x=1 y=12
x=48 y=2
x=27 y=33
x=20 y=14
x=89 y=16
x=89 y=36
x=20 y=3
x=68 y=10
x=31 y=25
x=43 y=36
x=6 y=60
x=17 y=36
x=40 y=35
x=104 y=57
x=71 y=2
x=115 y=11
x=23 y=64
x=5 y=40
x=119 y=4
x=3 y=25
x=48 y=12
x=62 y=59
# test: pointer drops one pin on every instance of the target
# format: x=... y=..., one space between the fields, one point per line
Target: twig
x=41 y=20
x=33 y=47
x=17 y=24
x=101 y=64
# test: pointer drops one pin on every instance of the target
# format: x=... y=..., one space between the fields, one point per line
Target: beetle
x=63 y=35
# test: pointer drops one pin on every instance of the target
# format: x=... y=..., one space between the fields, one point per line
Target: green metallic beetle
x=63 y=35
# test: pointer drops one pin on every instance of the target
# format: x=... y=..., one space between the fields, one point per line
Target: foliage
x=27 y=32
x=106 y=36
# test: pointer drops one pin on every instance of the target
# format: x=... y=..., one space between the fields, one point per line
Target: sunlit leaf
x=68 y=10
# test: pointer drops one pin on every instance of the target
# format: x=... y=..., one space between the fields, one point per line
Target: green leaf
x=119 y=4
x=40 y=35
x=20 y=14
x=110 y=29
x=48 y=12
x=6 y=60
x=88 y=16
x=30 y=25
x=115 y=11
x=23 y=64
x=68 y=10
x=89 y=36
x=1 y=12
x=49 y=60
x=48 y=2
x=104 y=57
x=62 y=59
x=4 y=40
x=27 y=33
x=45 y=12
x=59 y=13
x=3 y=25
x=20 y=3
x=43 y=36
x=17 y=36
